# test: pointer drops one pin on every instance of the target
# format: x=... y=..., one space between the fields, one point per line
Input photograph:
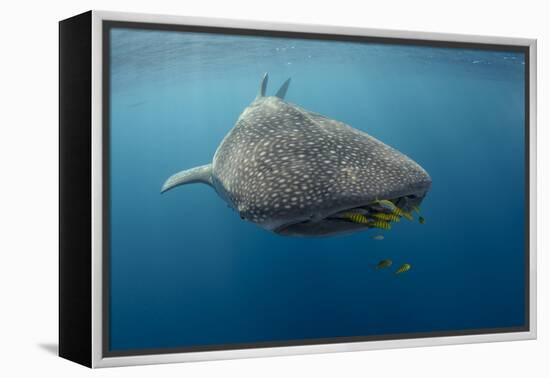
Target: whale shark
x=299 y=173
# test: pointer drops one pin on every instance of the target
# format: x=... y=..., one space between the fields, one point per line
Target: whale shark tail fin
x=281 y=93
x=263 y=86
x=202 y=174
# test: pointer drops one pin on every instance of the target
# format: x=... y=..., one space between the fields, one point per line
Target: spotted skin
x=288 y=169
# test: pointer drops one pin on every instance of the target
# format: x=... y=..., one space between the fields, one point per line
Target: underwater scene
x=378 y=193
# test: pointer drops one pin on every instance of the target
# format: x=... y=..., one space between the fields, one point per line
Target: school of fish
x=379 y=215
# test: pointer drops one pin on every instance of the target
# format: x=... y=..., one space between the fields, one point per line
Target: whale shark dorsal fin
x=202 y=174
x=281 y=93
x=263 y=86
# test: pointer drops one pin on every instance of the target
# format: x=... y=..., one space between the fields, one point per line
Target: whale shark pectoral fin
x=202 y=174
x=281 y=93
x=263 y=86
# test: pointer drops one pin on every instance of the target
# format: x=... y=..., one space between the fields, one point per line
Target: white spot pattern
x=282 y=164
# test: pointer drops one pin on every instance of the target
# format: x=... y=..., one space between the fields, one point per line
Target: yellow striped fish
x=380 y=224
x=386 y=204
x=357 y=218
x=401 y=213
x=383 y=264
x=387 y=217
x=417 y=209
x=403 y=268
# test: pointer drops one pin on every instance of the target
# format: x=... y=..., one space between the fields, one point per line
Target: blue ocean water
x=186 y=271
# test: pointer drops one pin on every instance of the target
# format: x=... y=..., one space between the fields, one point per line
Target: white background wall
x=28 y=186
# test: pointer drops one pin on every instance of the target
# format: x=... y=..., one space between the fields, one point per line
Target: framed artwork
x=234 y=189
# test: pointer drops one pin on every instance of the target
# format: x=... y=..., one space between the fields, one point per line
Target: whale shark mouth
x=378 y=214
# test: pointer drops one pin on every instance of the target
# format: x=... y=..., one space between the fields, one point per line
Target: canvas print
x=272 y=190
